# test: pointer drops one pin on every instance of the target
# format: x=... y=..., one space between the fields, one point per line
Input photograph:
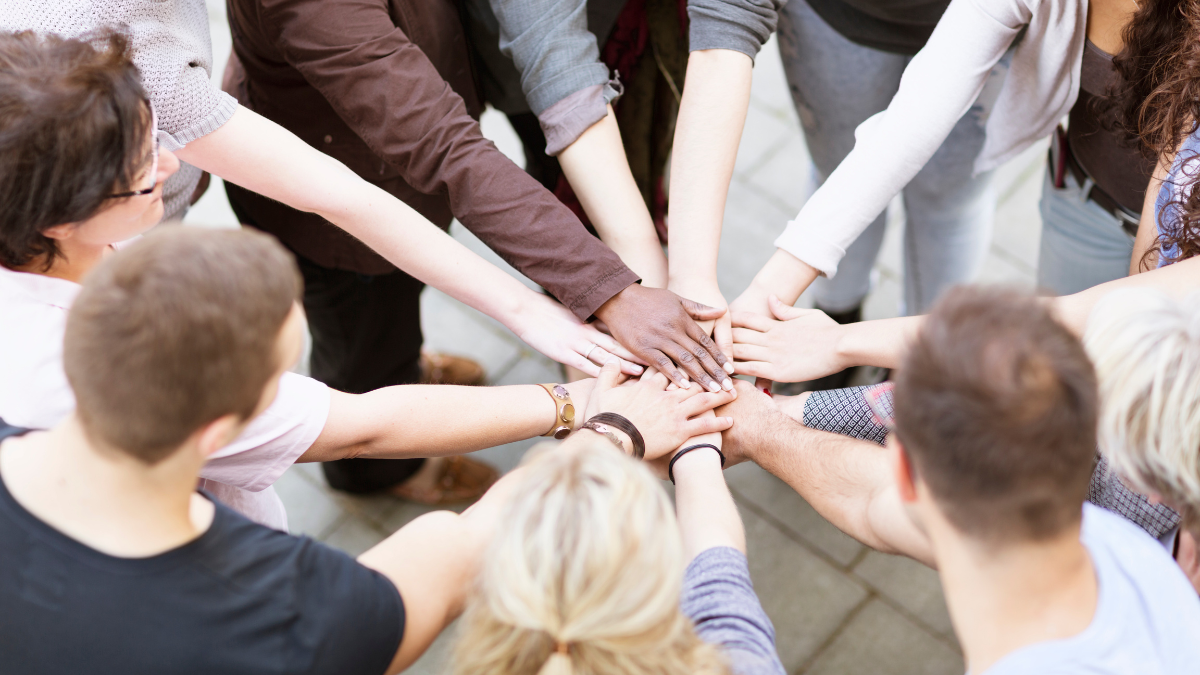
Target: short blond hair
x=584 y=575
x=1146 y=348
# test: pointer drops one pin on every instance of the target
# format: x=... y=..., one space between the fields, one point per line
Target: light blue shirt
x=1147 y=619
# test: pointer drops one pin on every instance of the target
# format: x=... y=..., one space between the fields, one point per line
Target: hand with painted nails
x=664 y=416
x=660 y=329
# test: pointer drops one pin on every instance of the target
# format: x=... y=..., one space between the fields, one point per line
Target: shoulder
x=1135 y=569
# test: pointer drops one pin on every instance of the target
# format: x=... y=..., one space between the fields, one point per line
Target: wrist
x=612 y=435
x=693 y=460
x=785 y=275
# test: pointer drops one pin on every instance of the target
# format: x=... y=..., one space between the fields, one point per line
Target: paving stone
x=806 y=597
x=354 y=536
x=532 y=368
x=1018 y=226
x=770 y=495
x=747 y=238
x=910 y=585
x=310 y=509
x=769 y=89
x=454 y=328
x=784 y=175
x=764 y=134
x=881 y=641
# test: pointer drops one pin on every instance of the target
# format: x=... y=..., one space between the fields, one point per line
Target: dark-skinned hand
x=660 y=328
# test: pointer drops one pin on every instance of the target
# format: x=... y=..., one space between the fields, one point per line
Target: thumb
x=610 y=375
x=782 y=311
x=701 y=312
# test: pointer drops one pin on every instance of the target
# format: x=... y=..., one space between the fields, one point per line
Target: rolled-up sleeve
x=389 y=93
x=738 y=25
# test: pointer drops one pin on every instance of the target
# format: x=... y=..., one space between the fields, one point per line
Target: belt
x=1063 y=160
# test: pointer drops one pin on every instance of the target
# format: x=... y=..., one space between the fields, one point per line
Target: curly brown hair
x=1160 y=104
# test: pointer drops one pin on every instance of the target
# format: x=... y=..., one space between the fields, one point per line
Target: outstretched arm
x=803 y=344
x=709 y=129
x=433 y=561
x=708 y=518
x=259 y=155
x=848 y=481
x=938 y=87
x=432 y=420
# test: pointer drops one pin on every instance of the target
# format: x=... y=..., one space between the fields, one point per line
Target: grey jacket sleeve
x=719 y=599
x=549 y=42
x=740 y=25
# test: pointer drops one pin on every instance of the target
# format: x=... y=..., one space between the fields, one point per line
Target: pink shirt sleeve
x=275 y=439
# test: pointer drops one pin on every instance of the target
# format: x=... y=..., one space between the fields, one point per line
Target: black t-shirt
x=898 y=26
x=240 y=599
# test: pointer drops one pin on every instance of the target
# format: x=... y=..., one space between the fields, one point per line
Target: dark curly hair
x=1160 y=104
x=73 y=125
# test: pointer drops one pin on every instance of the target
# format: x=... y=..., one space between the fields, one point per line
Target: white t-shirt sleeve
x=276 y=438
x=940 y=84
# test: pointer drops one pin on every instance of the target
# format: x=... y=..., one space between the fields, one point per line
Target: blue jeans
x=836 y=84
x=1082 y=244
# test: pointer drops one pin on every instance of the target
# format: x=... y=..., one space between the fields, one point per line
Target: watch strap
x=624 y=425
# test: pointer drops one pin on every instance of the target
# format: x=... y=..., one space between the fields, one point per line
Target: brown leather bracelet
x=623 y=425
x=607 y=432
x=564 y=411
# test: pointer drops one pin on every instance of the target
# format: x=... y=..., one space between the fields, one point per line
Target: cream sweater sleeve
x=938 y=87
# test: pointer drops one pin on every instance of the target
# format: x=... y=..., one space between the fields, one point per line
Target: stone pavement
x=838 y=607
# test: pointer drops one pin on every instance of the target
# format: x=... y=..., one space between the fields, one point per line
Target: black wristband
x=625 y=426
x=681 y=453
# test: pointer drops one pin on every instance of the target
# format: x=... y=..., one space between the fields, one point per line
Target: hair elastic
x=681 y=453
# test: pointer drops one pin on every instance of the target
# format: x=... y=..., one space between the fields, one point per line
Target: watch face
x=568 y=413
x=561 y=391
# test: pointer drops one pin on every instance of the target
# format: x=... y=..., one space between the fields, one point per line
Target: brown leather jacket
x=386 y=87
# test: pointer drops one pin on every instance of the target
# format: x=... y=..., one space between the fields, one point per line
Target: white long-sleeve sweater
x=938 y=87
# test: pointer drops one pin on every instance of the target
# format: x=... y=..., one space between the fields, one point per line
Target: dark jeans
x=366 y=333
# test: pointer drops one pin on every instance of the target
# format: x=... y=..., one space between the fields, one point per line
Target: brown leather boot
x=447 y=369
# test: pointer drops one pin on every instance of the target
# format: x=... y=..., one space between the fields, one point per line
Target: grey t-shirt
x=1147 y=619
x=719 y=599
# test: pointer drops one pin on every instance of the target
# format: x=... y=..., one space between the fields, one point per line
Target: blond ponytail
x=588 y=557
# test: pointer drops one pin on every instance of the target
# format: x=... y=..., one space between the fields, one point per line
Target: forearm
x=709 y=129
x=879 y=343
x=708 y=517
x=1179 y=281
x=430 y=421
x=596 y=166
x=848 y=481
x=259 y=155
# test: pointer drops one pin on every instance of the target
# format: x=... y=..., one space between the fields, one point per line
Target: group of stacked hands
x=136 y=368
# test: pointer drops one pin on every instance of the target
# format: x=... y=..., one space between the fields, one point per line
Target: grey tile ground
x=837 y=607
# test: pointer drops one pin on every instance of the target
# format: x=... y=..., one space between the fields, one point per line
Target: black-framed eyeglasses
x=153 y=163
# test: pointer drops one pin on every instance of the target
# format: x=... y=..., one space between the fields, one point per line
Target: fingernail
x=714 y=387
x=767 y=391
x=729 y=367
x=727 y=384
x=638 y=370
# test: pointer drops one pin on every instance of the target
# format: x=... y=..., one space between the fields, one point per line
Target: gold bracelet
x=564 y=411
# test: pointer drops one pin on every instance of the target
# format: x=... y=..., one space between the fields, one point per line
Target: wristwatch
x=564 y=409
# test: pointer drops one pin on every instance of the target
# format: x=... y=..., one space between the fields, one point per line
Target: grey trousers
x=836 y=84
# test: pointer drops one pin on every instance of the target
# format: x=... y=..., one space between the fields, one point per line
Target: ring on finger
x=588 y=355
